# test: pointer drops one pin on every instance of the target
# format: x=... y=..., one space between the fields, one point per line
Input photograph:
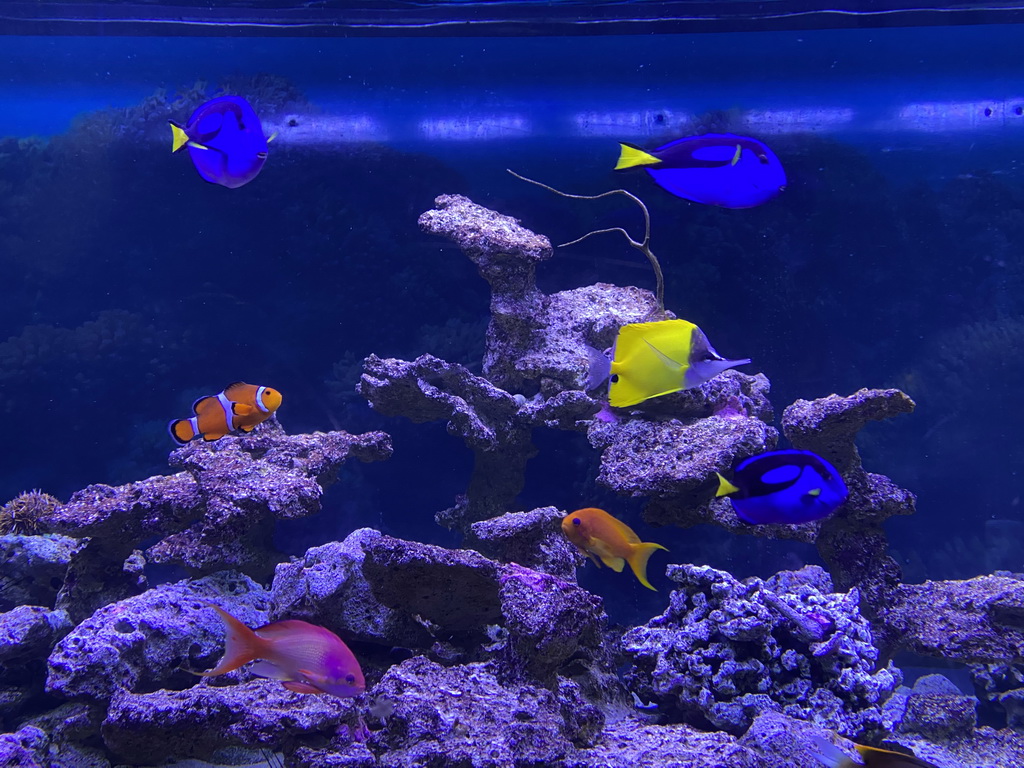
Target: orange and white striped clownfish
x=240 y=406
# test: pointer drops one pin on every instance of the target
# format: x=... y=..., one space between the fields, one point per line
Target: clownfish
x=304 y=657
x=240 y=406
x=595 y=532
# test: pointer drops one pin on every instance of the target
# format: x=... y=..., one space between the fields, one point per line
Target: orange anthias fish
x=239 y=407
x=595 y=532
x=304 y=657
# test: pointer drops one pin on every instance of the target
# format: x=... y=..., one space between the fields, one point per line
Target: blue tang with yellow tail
x=599 y=535
x=715 y=169
x=654 y=359
x=225 y=141
x=784 y=487
x=240 y=407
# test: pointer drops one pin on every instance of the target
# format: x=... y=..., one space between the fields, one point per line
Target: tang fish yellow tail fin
x=241 y=646
x=630 y=157
x=724 y=487
x=638 y=560
x=180 y=138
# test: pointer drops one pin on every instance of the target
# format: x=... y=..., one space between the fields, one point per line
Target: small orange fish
x=239 y=407
x=595 y=532
x=304 y=657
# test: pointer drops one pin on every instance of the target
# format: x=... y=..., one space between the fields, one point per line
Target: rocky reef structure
x=493 y=655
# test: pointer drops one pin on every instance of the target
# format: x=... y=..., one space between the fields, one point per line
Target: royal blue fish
x=784 y=487
x=715 y=169
x=225 y=141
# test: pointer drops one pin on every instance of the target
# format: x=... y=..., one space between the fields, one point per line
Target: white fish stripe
x=259 y=400
x=225 y=404
x=194 y=423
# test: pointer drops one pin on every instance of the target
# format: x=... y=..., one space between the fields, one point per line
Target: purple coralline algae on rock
x=220 y=512
x=536 y=361
x=726 y=651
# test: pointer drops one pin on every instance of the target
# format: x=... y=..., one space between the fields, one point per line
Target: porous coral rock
x=203 y=719
x=627 y=742
x=147 y=641
x=496 y=426
x=533 y=539
x=725 y=651
x=248 y=482
x=326 y=586
x=465 y=715
x=33 y=568
x=220 y=512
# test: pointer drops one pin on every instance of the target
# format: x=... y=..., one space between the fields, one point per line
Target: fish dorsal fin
x=236 y=389
x=631 y=156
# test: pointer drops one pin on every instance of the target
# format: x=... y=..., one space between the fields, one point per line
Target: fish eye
x=614 y=378
x=575 y=521
x=763 y=159
x=350 y=679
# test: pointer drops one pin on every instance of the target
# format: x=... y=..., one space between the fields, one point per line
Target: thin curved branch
x=643 y=245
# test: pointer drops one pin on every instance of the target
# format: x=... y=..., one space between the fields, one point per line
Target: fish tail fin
x=599 y=368
x=180 y=138
x=241 y=645
x=639 y=557
x=829 y=754
x=724 y=486
x=181 y=430
x=631 y=156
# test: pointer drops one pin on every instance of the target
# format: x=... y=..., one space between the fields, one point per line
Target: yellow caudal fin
x=630 y=157
x=180 y=138
x=638 y=560
x=724 y=486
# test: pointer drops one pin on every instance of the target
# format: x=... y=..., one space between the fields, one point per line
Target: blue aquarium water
x=890 y=257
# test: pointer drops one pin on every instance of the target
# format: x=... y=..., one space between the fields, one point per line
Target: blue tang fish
x=784 y=487
x=715 y=169
x=225 y=141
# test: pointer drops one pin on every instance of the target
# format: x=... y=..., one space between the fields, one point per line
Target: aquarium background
x=894 y=257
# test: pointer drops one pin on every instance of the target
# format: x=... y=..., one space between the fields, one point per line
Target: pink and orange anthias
x=306 y=658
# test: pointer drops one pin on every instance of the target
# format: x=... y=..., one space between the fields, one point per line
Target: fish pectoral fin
x=271 y=137
x=668 y=361
x=739 y=153
x=298 y=687
x=265 y=668
x=815 y=492
x=242 y=409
